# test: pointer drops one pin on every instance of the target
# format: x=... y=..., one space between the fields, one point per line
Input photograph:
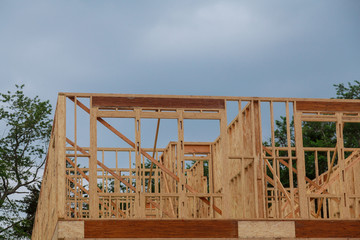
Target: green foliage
x=351 y=130
x=29 y=204
x=26 y=128
x=147 y=165
x=281 y=132
x=318 y=134
x=350 y=92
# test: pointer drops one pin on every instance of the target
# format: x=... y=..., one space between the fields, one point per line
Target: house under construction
x=219 y=170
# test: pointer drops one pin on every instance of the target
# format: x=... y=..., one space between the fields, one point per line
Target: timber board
x=155 y=102
x=161 y=228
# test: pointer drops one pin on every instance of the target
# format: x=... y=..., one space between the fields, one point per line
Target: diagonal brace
x=132 y=144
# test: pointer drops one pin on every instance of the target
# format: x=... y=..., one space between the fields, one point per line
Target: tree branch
x=17 y=222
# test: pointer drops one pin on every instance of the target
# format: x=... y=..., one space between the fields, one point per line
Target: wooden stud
x=60 y=153
x=341 y=162
x=255 y=157
x=289 y=152
x=93 y=198
x=303 y=204
x=260 y=167
x=154 y=151
x=237 y=175
x=139 y=204
x=181 y=166
x=273 y=154
x=225 y=174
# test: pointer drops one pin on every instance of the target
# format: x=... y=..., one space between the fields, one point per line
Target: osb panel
x=160 y=229
x=70 y=229
x=266 y=229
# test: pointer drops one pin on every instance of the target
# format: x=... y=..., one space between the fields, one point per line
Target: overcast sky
x=236 y=48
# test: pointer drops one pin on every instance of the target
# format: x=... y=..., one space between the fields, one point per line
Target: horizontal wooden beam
x=327 y=229
x=145 y=154
x=157 y=115
x=118 y=177
x=134 y=228
x=161 y=229
x=318 y=118
x=157 y=102
x=328 y=118
x=188 y=149
x=330 y=106
x=227 y=98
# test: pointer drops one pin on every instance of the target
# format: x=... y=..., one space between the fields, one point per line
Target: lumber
x=247 y=181
x=153 y=102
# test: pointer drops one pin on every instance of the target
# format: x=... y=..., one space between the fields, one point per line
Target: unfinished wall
x=236 y=176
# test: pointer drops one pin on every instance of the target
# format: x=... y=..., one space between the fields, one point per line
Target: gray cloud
x=258 y=48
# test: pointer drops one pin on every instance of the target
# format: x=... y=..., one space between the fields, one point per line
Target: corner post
x=60 y=153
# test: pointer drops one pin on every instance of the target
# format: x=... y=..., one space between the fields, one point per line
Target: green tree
x=29 y=205
x=350 y=92
x=351 y=130
x=26 y=128
x=315 y=134
x=319 y=134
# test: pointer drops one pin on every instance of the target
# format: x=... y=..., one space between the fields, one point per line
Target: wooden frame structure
x=235 y=176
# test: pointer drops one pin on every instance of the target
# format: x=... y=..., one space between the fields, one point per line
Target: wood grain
x=327 y=229
x=193 y=148
x=330 y=106
x=156 y=102
x=161 y=229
